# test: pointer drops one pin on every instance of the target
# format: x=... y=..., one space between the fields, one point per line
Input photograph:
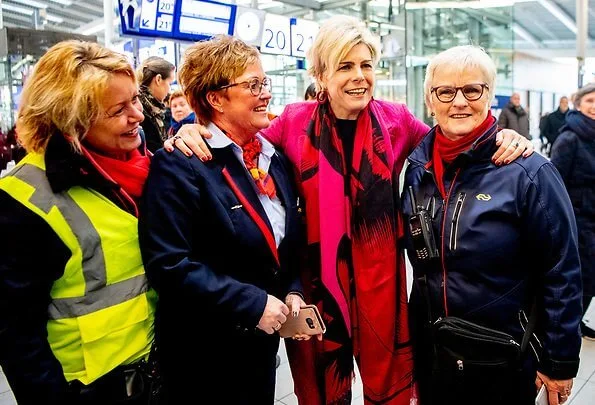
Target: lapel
x=240 y=183
x=283 y=188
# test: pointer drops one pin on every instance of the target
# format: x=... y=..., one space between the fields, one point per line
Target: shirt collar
x=219 y=140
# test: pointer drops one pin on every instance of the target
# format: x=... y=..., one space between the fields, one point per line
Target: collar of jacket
x=481 y=150
x=66 y=168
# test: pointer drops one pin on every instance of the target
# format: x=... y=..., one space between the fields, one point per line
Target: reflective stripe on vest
x=98 y=294
x=102 y=311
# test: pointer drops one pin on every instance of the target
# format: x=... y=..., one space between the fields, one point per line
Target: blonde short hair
x=65 y=92
x=211 y=64
x=176 y=94
x=463 y=58
x=337 y=36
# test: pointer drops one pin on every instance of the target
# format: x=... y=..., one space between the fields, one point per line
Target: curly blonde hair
x=208 y=65
x=65 y=92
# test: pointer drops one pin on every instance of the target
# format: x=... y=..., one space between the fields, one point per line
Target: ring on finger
x=175 y=138
x=516 y=145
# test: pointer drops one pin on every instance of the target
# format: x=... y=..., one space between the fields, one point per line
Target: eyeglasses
x=471 y=92
x=255 y=85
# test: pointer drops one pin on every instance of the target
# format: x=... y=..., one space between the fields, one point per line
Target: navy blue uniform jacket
x=504 y=234
x=209 y=251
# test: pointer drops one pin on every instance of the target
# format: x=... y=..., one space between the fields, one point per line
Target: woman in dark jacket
x=155 y=77
x=573 y=154
x=505 y=236
x=181 y=112
x=221 y=239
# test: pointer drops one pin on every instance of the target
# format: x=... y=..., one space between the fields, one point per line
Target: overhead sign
x=190 y=20
x=276 y=35
x=303 y=33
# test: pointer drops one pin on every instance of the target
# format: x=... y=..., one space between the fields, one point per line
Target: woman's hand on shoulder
x=511 y=146
x=558 y=391
x=189 y=140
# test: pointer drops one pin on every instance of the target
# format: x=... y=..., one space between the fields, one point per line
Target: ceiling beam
x=560 y=14
x=311 y=4
x=526 y=35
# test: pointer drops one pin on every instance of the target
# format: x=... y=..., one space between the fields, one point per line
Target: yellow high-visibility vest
x=102 y=309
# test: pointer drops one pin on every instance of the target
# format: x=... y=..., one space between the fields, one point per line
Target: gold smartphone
x=308 y=322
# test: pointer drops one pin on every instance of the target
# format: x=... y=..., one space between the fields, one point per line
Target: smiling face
x=115 y=133
x=350 y=88
x=587 y=105
x=236 y=110
x=460 y=116
x=180 y=108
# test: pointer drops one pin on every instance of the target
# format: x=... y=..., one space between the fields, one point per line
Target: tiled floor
x=583 y=392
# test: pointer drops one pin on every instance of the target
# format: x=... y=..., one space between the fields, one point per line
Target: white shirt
x=272 y=206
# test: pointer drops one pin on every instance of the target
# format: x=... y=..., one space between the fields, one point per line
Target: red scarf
x=358 y=274
x=446 y=150
x=264 y=183
x=130 y=174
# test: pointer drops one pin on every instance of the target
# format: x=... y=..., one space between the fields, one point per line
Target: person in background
x=348 y=150
x=225 y=292
x=310 y=92
x=514 y=117
x=554 y=122
x=155 y=76
x=18 y=152
x=76 y=311
x=573 y=154
x=181 y=112
x=5 y=151
x=506 y=237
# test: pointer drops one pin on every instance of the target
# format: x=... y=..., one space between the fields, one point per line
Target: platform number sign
x=303 y=33
x=276 y=35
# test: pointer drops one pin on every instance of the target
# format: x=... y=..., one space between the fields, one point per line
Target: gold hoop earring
x=433 y=114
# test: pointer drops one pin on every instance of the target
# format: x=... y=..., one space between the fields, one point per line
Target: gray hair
x=463 y=57
x=583 y=91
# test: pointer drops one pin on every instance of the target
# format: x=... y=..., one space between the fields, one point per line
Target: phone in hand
x=308 y=322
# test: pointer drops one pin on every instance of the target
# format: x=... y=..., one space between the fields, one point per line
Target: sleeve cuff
x=559 y=369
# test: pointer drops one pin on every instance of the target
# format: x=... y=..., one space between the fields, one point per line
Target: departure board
x=189 y=20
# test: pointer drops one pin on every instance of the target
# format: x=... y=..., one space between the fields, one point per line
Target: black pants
x=127 y=385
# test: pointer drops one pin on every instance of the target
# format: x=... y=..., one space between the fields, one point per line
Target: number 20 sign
x=276 y=35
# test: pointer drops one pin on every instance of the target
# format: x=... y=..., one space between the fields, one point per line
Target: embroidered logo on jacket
x=483 y=197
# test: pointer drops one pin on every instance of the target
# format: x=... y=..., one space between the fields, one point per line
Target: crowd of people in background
x=185 y=228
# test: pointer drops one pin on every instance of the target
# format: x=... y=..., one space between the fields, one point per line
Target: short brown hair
x=65 y=92
x=209 y=65
x=176 y=94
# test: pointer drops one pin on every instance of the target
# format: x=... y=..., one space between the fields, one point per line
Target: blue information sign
x=189 y=20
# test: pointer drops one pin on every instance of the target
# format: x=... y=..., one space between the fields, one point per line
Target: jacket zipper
x=442 y=245
x=455 y=221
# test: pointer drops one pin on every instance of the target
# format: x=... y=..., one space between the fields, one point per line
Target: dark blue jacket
x=206 y=244
x=573 y=154
x=504 y=234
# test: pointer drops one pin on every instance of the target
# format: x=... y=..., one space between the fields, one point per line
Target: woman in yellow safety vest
x=76 y=312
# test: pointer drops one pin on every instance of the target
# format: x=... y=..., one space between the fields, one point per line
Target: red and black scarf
x=358 y=273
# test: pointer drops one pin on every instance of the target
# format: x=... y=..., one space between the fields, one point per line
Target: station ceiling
x=543 y=26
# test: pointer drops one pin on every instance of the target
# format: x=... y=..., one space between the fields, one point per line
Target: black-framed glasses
x=471 y=92
x=255 y=85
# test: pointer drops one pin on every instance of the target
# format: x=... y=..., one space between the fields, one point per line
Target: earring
x=321 y=96
x=220 y=110
x=433 y=114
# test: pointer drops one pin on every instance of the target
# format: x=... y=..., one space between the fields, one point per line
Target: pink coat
x=288 y=131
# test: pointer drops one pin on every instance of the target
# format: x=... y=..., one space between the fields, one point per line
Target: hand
x=189 y=140
x=508 y=151
x=558 y=391
x=274 y=315
x=295 y=303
